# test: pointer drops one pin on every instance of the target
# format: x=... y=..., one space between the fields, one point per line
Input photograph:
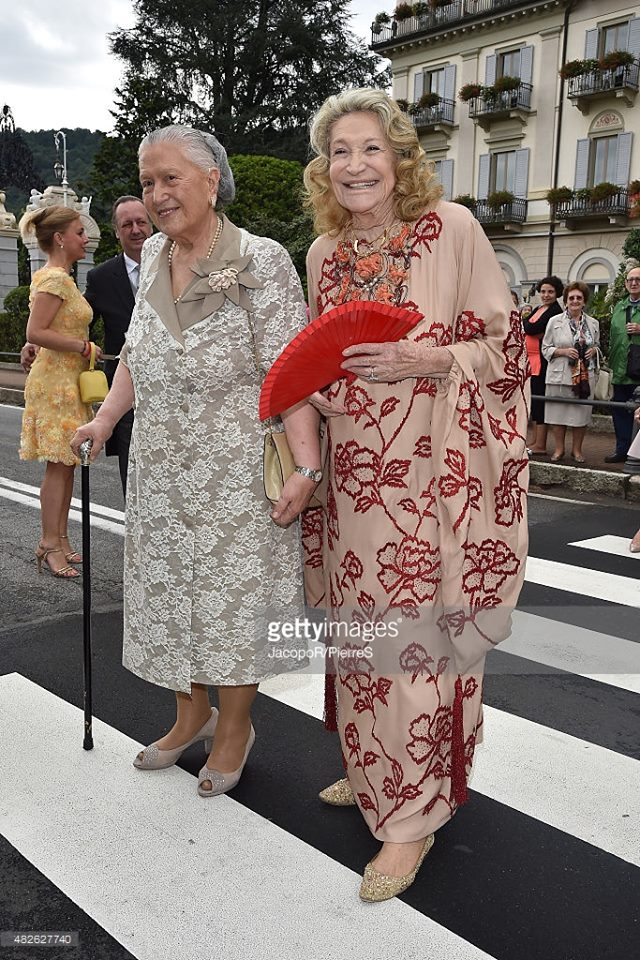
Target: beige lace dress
x=206 y=569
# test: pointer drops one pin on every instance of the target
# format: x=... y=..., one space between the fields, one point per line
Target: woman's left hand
x=591 y=352
x=396 y=361
x=296 y=494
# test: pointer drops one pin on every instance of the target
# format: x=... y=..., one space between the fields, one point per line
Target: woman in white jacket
x=570 y=346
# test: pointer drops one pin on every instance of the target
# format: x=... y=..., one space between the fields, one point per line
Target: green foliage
x=499 y=198
x=469 y=92
x=253 y=71
x=13 y=322
x=296 y=236
x=505 y=83
x=577 y=68
x=616 y=58
x=631 y=250
x=631 y=246
x=559 y=195
x=466 y=200
x=266 y=188
x=603 y=190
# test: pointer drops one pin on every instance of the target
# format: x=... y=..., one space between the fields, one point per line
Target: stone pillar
x=8 y=251
x=546 y=93
x=55 y=196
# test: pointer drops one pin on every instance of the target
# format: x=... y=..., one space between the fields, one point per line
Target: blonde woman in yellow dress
x=59 y=324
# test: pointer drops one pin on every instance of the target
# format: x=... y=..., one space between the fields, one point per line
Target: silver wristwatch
x=315 y=475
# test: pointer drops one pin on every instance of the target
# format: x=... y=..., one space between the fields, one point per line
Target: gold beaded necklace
x=216 y=237
x=374 y=245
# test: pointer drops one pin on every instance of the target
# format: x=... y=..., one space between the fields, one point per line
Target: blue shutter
x=446 y=178
x=623 y=159
x=526 y=64
x=450 y=82
x=582 y=165
x=591 y=44
x=490 y=69
x=633 y=44
x=521 y=179
x=418 y=86
x=484 y=167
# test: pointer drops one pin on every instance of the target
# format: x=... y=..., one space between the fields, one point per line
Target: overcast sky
x=55 y=66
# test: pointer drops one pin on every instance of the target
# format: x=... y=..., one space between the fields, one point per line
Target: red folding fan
x=313 y=359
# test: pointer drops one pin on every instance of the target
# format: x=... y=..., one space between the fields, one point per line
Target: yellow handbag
x=93 y=383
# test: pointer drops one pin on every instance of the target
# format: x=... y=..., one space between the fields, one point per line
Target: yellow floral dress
x=52 y=407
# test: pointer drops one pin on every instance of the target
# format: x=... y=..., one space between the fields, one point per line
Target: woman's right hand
x=570 y=352
x=96 y=431
x=326 y=407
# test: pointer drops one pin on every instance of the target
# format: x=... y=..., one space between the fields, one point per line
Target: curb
x=14 y=398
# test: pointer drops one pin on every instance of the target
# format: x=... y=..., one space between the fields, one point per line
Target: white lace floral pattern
x=205 y=566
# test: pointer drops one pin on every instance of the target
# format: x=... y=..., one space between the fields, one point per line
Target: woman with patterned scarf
x=570 y=347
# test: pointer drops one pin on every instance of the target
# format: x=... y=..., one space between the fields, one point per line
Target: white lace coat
x=205 y=566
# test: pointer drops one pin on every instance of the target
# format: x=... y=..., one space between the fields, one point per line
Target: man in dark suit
x=111 y=290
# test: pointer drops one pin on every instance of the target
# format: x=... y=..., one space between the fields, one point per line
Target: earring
x=61 y=245
x=214 y=200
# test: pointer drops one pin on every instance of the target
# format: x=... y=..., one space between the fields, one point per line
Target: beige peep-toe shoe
x=153 y=758
x=222 y=782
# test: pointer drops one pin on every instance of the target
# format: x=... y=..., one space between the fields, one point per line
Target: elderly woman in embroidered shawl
x=424 y=532
x=205 y=566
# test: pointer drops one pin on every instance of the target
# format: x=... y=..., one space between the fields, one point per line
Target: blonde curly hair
x=416 y=182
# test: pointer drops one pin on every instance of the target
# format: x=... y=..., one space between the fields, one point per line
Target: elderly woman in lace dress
x=206 y=566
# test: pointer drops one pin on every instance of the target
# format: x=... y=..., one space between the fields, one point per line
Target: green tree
x=253 y=71
x=266 y=187
x=631 y=249
x=13 y=322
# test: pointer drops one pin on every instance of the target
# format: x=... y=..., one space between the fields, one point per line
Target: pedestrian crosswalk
x=542 y=864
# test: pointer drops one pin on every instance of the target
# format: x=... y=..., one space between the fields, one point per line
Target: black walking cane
x=85 y=460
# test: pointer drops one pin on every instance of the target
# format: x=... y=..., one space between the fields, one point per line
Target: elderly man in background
x=111 y=291
x=625 y=330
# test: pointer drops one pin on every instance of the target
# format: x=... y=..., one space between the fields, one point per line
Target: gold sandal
x=73 y=556
x=65 y=573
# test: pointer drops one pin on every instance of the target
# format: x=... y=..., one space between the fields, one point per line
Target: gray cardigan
x=558 y=334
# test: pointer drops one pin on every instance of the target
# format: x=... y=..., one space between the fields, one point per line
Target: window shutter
x=526 y=64
x=418 y=86
x=484 y=167
x=582 y=165
x=623 y=160
x=591 y=44
x=521 y=179
x=634 y=37
x=450 y=82
x=490 y=69
x=446 y=178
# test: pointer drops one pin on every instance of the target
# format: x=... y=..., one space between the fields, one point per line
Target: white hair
x=202 y=149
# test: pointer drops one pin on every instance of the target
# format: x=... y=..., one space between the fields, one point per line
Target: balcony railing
x=616 y=205
x=431 y=116
x=440 y=17
x=513 y=212
x=602 y=81
x=501 y=102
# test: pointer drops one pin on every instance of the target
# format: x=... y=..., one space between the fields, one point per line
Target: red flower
x=352 y=739
x=411 y=565
x=509 y=495
x=431 y=737
x=369 y=267
x=356 y=402
x=487 y=565
x=352 y=565
x=469 y=326
x=428 y=228
x=356 y=468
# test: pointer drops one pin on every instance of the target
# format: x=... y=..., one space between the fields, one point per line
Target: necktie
x=133 y=277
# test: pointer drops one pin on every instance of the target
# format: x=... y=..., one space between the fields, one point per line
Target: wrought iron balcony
x=439 y=113
x=580 y=207
x=437 y=18
x=619 y=81
x=514 y=212
x=500 y=102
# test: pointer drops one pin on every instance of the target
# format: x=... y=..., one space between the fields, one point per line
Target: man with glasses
x=625 y=329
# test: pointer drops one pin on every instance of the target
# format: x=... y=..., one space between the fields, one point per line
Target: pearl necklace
x=216 y=237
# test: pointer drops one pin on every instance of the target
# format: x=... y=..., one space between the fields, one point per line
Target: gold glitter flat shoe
x=377 y=886
x=339 y=794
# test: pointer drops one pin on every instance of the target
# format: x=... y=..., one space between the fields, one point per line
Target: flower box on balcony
x=505 y=83
x=466 y=200
x=615 y=59
x=499 y=198
x=604 y=200
x=469 y=92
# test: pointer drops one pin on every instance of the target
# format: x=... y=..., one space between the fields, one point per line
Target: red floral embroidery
x=357 y=402
x=431 y=736
x=469 y=326
x=356 y=468
x=312 y=537
x=410 y=565
x=509 y=495
x=486 y=567
x=427 y=229
x=457 y=482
